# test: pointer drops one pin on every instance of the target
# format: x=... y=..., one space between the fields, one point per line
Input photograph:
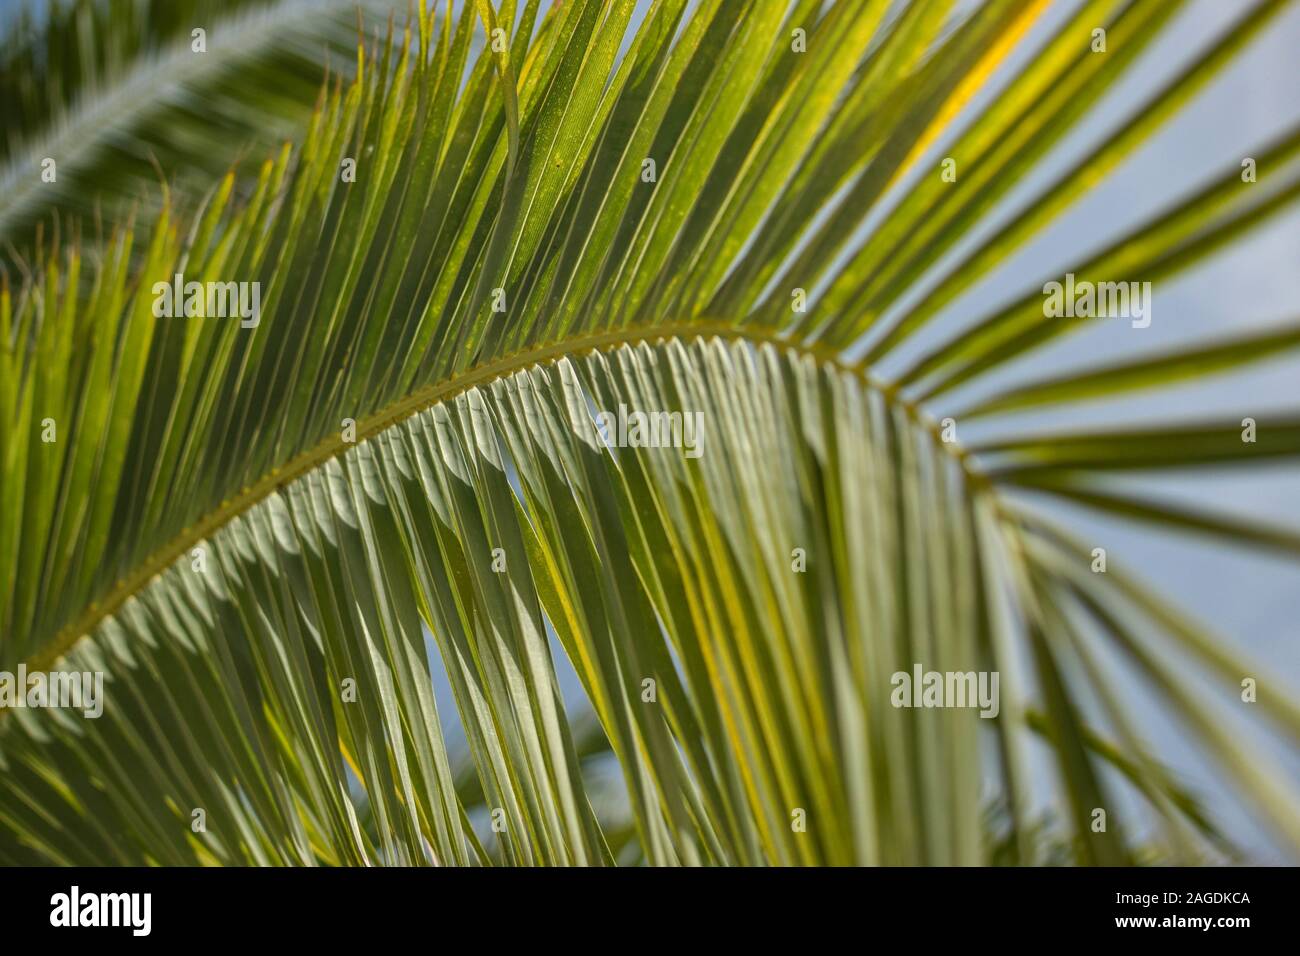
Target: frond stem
x=429 y=395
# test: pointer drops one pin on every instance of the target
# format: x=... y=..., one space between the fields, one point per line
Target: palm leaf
x=266 y=537
x=115 y=94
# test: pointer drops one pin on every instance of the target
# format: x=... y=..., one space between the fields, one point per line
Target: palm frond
x=251 y=530
x=115 y=94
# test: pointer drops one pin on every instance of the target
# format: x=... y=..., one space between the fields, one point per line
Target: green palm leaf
x=116 y=95
x=266 y=536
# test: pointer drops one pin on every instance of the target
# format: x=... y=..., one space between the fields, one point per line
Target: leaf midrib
x=426 y=397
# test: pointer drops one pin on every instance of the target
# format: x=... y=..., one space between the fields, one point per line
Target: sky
x=1252 y=601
